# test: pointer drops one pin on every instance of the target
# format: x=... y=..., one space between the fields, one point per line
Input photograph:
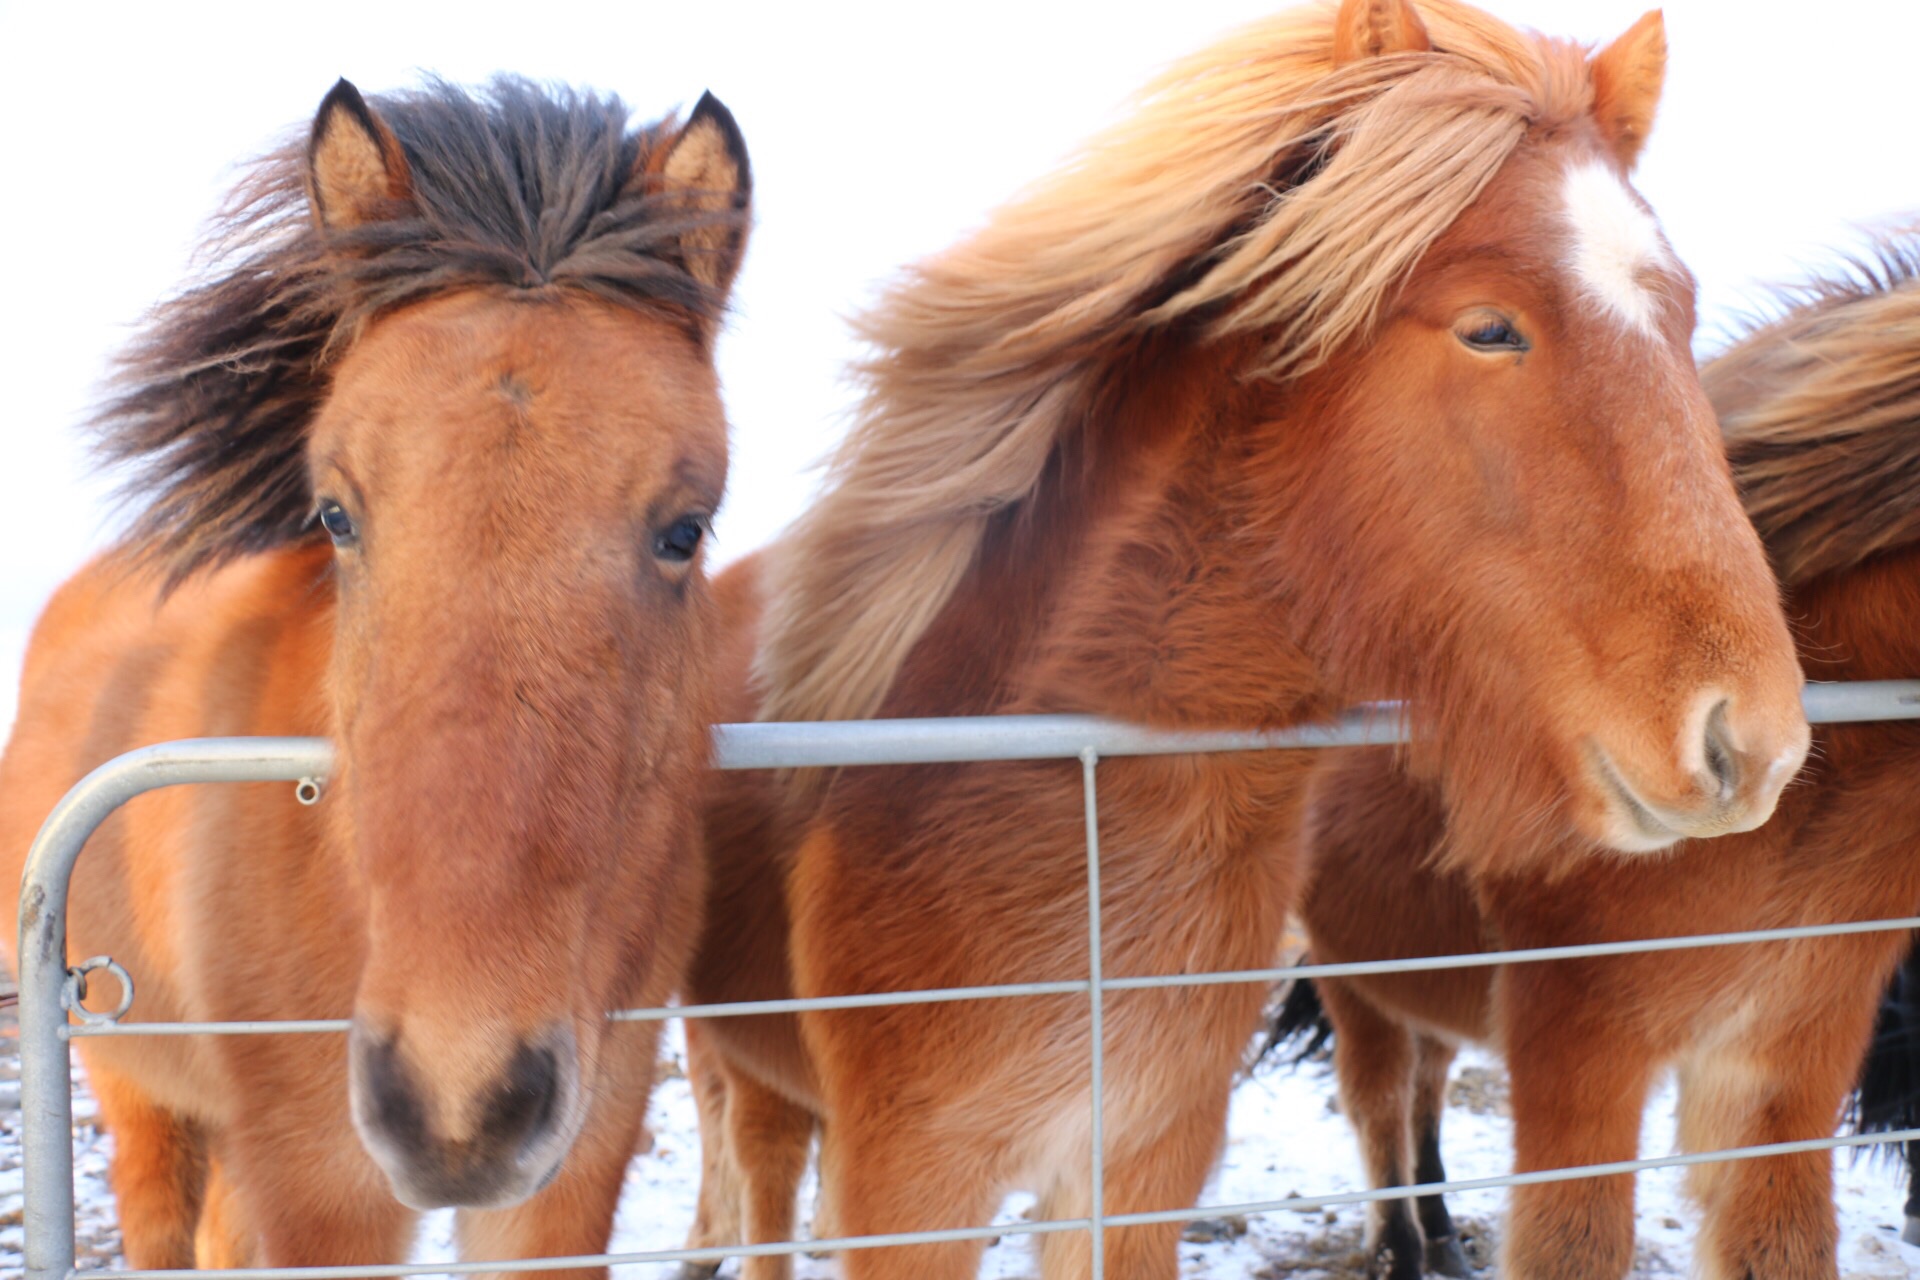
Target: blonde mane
x=1821 y=412
x=1255 y=190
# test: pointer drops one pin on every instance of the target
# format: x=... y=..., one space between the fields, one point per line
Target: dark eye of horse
x=338 y=524
x=678 y=541
x=1491 y=333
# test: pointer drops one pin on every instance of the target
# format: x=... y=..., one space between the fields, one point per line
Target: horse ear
x=1370 y=28
x=356 y=171
x=1627 y=78
x=705 y=169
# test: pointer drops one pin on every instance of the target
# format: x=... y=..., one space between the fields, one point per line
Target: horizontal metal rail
x=1245 y=1208
x=1017 y=990
x=829 y=744
x=46 y=1101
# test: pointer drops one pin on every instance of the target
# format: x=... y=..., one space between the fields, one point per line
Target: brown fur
x=1191 y=214
x=1082 y=482
x=512 y=188
x=1821 y=415
x=515 y=678
x=1820 y=407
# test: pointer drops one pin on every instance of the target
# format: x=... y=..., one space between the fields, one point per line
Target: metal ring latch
x=75 y=991
x=307 y=790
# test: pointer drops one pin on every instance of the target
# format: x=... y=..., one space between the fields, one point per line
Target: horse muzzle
x=491 y=1149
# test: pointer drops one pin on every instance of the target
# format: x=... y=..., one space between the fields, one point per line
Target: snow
x=1286 y=1137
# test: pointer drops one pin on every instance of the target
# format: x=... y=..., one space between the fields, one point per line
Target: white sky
x=878 y=131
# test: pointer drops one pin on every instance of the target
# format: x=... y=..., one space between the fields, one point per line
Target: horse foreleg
x=717 y=1218
x=1373 y=1058
x=1771 y=1218
x=768 y=1136
x=225 y=1239
x=1168 y=1173
x=1432 y=1059
x=159 y=1172
x=1580 y=1083
x=891 y=1173
x=573 y=1215
x=1911 y=1235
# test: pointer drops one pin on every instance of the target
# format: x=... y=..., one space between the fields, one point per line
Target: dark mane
x=1820 y=406
x=517 y=185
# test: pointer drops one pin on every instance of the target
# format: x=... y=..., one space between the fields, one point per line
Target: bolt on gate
x=50 y=989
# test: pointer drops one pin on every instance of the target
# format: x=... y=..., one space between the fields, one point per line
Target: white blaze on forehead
x=1615 y=243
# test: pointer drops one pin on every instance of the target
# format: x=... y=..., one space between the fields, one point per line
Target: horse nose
x=1723 y=764
x=1747 y=758
x=488 y=1150
x=1726 y=776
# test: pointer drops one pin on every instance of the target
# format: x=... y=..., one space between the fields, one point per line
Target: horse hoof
x=1912 y=1234
x=1387 y=1263
x=1445 y=1257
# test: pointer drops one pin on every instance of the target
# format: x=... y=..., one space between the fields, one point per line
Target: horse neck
x=1862 y=623
x=1123 y=587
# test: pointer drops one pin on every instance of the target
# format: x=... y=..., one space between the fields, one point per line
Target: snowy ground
x=1287 y=1138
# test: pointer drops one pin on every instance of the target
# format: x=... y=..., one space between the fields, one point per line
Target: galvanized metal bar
x=835 y=743
x=830 y=744
x=46 y=1100
x=1096 y=1001
x=269 y=1027
x=1530 y=955
x=1571 y=1173
x=714 y=1253
x=740 y=1009
x=837 y=1244
x=938 y=995
x=1851 y=702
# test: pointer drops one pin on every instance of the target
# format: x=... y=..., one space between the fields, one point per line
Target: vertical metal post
x=46 y=1097
x=1096 y=999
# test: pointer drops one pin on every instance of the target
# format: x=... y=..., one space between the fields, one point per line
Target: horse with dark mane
x=1348 y=367
x=1888 y=1097
x=423 y=465
x=1821 y=412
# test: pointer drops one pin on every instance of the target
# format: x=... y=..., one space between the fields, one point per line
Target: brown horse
x=1821 y=410
x=1349 y=367
x=425 y=467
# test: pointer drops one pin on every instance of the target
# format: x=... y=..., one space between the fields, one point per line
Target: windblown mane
x=1255 y=189
x=1821 y=411
x=516 y=185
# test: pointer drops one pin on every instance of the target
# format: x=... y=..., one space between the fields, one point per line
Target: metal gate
x=50 y=989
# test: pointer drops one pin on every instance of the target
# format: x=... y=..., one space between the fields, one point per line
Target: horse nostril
x=1723 y=763
x=525 y=1105
x=393 y=1104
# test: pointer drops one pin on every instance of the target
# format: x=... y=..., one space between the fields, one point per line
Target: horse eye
x=335 y=520
x=678 y=541
x=1494 y=334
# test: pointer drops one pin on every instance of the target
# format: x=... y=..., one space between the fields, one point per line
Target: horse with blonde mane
x=1349 y=367
x=1821 y=410
x=424 y=465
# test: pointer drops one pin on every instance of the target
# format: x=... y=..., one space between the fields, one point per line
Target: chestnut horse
x=1821 y=410
x=1349 y=367
x=425 y=465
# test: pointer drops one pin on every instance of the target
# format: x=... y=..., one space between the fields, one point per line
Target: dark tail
x=1887 y=1098
x=1300 y=1028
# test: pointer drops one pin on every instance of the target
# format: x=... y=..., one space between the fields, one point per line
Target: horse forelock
x=1820 y=408
x=1256 y=192
x=518 y=186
